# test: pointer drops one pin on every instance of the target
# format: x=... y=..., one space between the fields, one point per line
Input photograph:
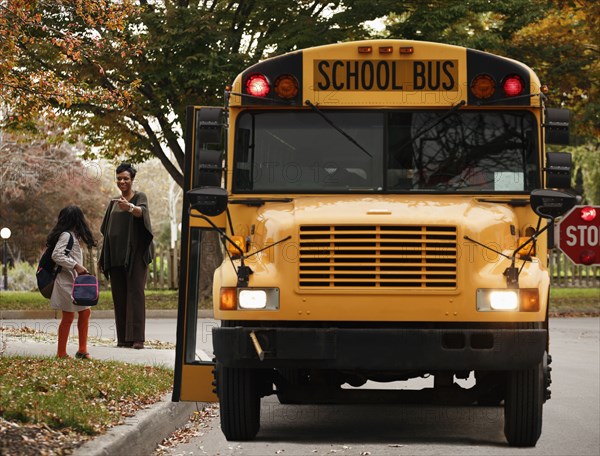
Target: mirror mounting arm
x=512 y=272
x=219 y=230
x=243 y=272
x=486 y=247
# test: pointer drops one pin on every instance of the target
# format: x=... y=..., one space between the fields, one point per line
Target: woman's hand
x=79 y=269
x=124 y=205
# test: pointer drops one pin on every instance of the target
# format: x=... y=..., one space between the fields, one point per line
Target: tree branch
x=159 y=152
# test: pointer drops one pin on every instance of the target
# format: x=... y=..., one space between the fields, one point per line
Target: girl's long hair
x=71 y=218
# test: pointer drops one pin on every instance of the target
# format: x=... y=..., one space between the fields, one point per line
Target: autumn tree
x=564 y=48
x=478 y=24
x=557 y=39
x=123 y=72
x=38 y=177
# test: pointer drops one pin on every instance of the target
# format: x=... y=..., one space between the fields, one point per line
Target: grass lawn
x=561 y=299
x=33 y=300
x=575 y=300
x=84 y=396
x=52 y=406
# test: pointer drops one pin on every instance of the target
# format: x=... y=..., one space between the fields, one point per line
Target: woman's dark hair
x=71 y=218
x=127 y=167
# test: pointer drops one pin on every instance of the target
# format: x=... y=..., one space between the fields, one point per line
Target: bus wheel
x=239 y=400
x=523 y=406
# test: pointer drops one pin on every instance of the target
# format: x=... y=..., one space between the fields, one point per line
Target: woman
x=126 y=252
x=70 y=229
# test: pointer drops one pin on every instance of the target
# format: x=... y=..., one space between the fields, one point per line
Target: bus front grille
x=377 y=257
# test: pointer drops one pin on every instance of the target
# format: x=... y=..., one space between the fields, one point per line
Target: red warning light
x=258 y=85
x=587 y=213
x=512 y=85
x=587 y=257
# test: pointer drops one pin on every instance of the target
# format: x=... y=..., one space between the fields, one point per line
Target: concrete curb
x=141 y=433
x=55 y=314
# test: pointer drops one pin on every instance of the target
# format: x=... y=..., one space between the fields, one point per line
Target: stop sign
x=579 y=235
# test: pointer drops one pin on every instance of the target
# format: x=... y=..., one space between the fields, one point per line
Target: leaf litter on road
x=198 y=422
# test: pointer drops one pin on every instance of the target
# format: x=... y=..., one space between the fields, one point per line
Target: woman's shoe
x=65 y=356
x=138 y=345
x=80 y=355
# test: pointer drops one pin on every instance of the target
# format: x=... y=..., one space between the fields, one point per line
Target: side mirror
x=556 y=123
x=550 y=204
x=210 y=201
x=208 y=147
x=209 y=126
x=558 y=169
x=209 y=168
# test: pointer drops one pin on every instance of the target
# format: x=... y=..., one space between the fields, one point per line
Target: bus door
x=204 y=151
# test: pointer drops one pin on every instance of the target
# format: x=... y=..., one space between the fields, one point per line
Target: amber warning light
x=286 y=86
x=484 y=85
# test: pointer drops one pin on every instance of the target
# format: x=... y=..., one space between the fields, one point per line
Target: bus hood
x=470 y=216
x=350 y=242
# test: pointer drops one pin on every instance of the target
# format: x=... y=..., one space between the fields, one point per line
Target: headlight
x=522 y=300
x=233 y=298
x=504 y=300
x=252 y=299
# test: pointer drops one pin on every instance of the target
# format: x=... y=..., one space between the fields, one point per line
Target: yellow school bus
x=384 y=210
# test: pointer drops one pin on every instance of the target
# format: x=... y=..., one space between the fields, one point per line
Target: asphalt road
x=571 y=417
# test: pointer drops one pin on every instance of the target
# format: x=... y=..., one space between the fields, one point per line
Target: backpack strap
x=69 y=244
x=67 y=251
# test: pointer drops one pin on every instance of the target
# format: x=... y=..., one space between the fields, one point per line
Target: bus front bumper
x=376 y=348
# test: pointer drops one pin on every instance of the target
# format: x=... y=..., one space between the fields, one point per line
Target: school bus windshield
x=385 y=151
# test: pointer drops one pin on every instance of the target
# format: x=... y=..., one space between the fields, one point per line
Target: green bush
x=22 y=277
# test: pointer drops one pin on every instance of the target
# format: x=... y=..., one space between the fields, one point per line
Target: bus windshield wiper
x=330 y=122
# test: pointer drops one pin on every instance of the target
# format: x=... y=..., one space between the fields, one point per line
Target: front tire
x=523 y=406
x=239 y=399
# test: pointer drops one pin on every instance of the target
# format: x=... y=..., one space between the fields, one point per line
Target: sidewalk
x=141 y=434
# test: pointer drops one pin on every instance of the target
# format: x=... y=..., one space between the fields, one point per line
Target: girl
x=71 y=223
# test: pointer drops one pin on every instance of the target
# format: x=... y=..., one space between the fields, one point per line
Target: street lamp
x=5 y=234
